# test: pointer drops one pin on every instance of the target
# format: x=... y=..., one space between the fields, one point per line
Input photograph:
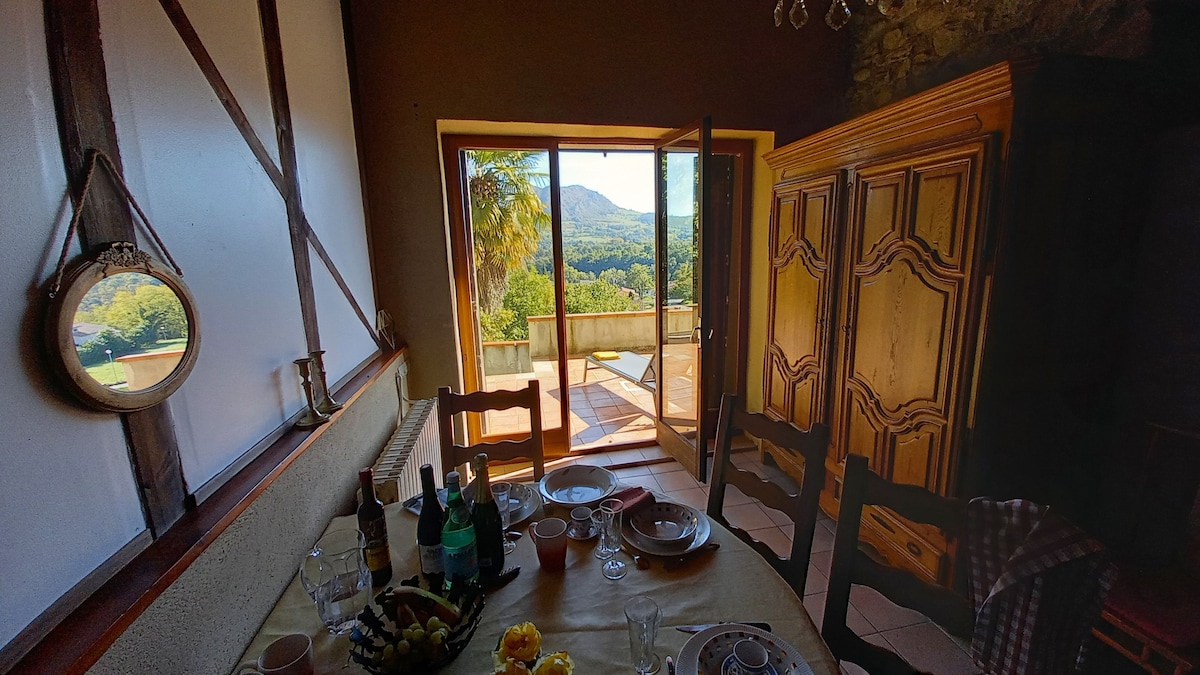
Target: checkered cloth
x=1037 y=585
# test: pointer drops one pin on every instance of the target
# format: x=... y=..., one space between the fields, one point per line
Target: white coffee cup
x=289 y=655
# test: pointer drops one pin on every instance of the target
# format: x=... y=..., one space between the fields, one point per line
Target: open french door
x=685 y=329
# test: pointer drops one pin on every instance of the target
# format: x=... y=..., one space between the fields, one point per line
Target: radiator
x=415 y=442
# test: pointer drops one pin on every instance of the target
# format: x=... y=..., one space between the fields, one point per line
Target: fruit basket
x=410 y=630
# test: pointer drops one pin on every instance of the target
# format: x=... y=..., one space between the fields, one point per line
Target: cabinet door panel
x=802 y=278
x=904 y=314
x=883 y=204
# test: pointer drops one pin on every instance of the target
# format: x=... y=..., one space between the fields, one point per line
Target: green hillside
x=599 y=235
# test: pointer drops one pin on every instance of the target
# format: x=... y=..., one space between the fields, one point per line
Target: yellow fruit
x=521 y=642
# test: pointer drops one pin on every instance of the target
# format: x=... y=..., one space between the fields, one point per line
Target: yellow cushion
x=606 y=356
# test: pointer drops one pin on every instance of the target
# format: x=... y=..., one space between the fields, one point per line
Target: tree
x=596 y=297
x=614 y=276
x=507 y=217
x=529 y=294
x=641 y=279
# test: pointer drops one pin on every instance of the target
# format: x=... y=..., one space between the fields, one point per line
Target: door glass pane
x=509 y=219
x=681 y=315
x=607 y=201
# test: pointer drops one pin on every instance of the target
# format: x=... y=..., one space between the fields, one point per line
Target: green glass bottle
x=489 y=534
x=460 y=558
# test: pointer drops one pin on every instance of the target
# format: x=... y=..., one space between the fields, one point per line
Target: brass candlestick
x=312 y=417
x=325 y=402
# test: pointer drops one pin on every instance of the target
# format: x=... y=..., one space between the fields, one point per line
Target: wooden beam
x=191 y=40
x=85 y=121
x=208 y=68
x=319 y=248
x=297 y=224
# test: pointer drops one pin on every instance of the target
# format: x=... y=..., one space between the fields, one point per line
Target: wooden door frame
x=557 y=441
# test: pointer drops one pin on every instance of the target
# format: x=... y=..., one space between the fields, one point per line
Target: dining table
x=577 y=609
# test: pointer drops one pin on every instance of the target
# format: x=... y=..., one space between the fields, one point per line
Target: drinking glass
x=643 y=615
x=336 y=576
x=610 y=513
x=603 y=552
x=501 y=493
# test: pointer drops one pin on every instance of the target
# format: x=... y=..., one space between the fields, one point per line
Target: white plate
x=579 y=485
x=705 y=651
x=645 y=545
x=523 y=500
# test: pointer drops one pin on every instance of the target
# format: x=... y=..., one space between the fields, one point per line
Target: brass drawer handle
x=883 y=523
x=913 y=549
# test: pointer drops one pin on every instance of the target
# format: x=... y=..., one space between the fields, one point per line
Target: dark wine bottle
x=489 y=534
x=374 y=528
x=429 y=530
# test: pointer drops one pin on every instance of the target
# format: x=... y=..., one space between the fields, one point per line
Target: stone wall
x=930 y=42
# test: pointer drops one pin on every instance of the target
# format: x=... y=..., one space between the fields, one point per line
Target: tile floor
x=606 y=409
x=871 y=615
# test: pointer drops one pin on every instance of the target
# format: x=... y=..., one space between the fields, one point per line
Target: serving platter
x=646 y=545
x=578 y=485
x=706 y=652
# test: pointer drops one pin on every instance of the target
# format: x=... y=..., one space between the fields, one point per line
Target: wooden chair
x=450 y=404
x=779 y=492
x=951 y=609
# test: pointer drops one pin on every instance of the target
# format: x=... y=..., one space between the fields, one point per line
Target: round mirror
x=123 y=330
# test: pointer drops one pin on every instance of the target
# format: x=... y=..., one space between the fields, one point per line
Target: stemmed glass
x=610 y=515
x=500 y=493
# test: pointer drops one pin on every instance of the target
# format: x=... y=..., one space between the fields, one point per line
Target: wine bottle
x=459 y=557
x=374 y=528
x=429 y=529
x=489 y=534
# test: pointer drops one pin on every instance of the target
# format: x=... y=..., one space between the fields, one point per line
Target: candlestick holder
x=325 y=401
x=312 y=417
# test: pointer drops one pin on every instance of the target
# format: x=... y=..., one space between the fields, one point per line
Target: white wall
x=67 y=495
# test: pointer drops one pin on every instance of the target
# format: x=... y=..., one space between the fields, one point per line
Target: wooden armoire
x=948 y=287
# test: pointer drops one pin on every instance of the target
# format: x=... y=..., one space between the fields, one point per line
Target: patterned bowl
x=666 y=522
x=706 y=652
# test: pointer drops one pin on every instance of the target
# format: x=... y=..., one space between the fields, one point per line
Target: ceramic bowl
x=579 y=485
x=666 y=522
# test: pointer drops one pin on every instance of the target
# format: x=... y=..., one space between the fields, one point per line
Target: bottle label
x=460 y=562
x=377 y=556
x=431 y=559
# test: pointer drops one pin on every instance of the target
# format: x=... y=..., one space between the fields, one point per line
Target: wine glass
x=500 y=493
x=611 y=510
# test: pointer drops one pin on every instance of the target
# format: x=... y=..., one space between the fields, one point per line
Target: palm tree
x=507 y=217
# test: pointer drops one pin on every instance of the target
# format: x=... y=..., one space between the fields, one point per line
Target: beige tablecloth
x=579 y=610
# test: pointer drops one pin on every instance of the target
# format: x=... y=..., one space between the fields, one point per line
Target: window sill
x=82 y=637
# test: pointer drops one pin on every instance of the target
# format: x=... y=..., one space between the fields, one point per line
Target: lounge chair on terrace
x=636 y=368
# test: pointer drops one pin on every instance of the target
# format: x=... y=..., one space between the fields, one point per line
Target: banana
x=418 y=605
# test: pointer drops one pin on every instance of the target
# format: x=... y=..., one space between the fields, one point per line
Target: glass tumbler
x=501 y=492
x=643 y=615
x=602 y=551
x=610 y=515
x=336 y=576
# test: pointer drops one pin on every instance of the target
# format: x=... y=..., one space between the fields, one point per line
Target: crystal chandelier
x=838 y=14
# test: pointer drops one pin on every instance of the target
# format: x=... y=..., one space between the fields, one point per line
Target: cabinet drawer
x=903 y=547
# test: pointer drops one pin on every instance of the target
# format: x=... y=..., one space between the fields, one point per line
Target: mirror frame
x=77 y=281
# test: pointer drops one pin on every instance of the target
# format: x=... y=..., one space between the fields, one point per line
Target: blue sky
x=626 y=178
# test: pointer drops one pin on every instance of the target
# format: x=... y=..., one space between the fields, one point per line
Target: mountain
x=599 y=235
x=584 y=208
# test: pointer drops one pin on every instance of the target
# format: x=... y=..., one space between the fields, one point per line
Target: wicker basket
x=381 y=629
